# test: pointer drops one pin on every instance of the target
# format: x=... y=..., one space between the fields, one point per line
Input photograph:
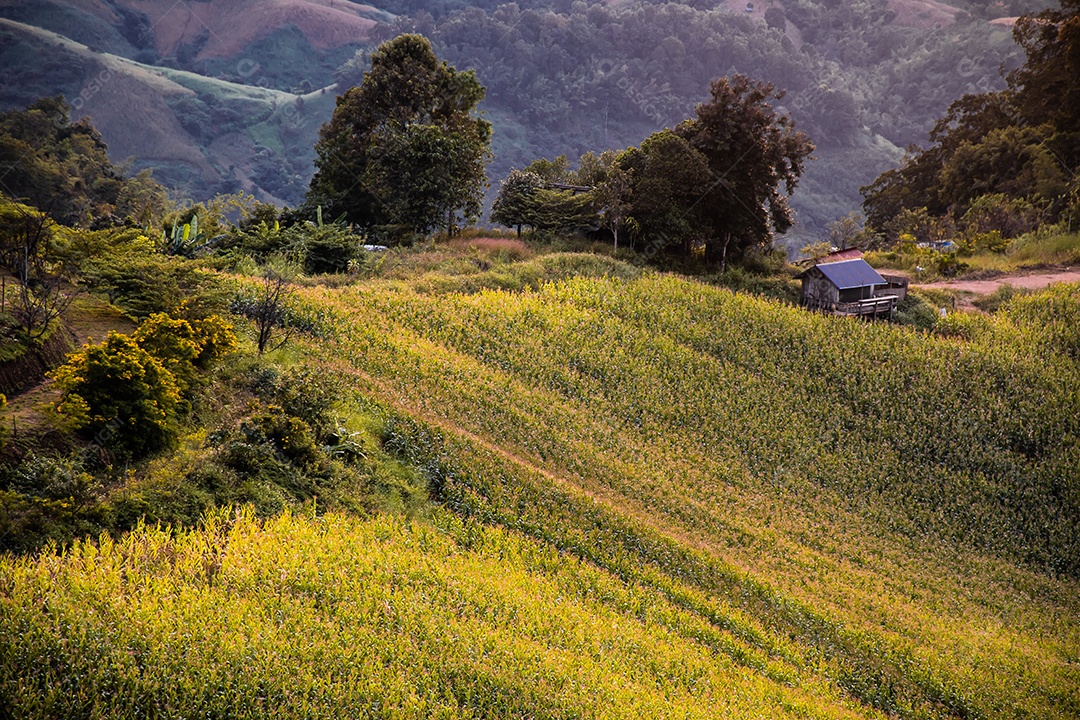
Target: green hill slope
x=709 y=505
x=342 y=618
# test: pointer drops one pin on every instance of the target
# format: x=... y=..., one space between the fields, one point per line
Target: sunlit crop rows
x=340 y=617
x=961 y=441
x=732 y=508
x=771 y=436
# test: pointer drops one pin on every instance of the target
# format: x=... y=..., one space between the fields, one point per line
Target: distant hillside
x=865 y=79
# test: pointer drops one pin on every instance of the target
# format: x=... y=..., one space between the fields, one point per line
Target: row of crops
x=334 y=617
x=882 y=485
x=656 y=499
x=973 y=441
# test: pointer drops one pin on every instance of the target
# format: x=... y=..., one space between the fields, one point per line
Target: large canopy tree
x=755 y=158
x=403 y=148
x=525 y=199
x=718 y=183
x=669 y=178
x=515 y=205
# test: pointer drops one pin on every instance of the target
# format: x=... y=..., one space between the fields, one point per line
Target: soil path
x=91 y=320
x=1026 y=281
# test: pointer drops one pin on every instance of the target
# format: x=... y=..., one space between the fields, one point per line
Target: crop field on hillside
x=700 y=496
x=338 y=617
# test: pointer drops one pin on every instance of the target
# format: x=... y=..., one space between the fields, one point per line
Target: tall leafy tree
x=611 y=185
x=31 y=250
x=537 y=197
x=612 y=200
x=1048 y=84
x=755 y=157
x=515 y=205
x=669 y=177
x=404 y=148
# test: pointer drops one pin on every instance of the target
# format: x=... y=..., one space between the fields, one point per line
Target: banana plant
x=186 y=240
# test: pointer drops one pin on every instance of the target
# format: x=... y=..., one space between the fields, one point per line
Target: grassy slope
x=823 y=518
x=344 y=618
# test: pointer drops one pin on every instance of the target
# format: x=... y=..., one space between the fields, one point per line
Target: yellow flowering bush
x=173 y=342
x=216 y=337
x=126 y=392
x=119 y=395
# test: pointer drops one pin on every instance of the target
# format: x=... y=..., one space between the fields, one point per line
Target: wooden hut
x=849 y=287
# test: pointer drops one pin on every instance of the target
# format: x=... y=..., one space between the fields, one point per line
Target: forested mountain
x=1013 y=154
x=229 y=95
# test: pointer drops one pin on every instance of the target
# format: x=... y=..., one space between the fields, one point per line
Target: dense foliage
x=127 y=392
x=403 y=148
x=526 y=199
x=755 y=158
x=718 y=184
x=1018 y=145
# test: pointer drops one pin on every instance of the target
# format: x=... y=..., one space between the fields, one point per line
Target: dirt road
x=1025 y=281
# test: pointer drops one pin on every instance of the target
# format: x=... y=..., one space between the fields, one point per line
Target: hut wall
x=818 y=291
x=898 y=286
x=857 y=293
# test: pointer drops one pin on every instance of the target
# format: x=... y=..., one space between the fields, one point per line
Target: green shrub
x=197 y=341
x=916 y=311
x=146 y=284
x=184 y=346
x=1000 y=214
x=95 y=250
x=998 y=299
x=320 y=249
x=173 y=342
x=216 y=337
x=54 y=478
x=741 y=279
x=330 y=249
x=119 y=396
x=949 y=264
x=308 y=393
x=288 y=434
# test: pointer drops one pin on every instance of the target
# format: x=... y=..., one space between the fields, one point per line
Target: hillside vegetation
x=325 y=463
x=864 y=79
x=652 y=496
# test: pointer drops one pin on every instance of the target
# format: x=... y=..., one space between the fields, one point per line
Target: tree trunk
x=615 y=232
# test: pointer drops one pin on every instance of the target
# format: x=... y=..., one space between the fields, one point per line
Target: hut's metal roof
x=851 y=274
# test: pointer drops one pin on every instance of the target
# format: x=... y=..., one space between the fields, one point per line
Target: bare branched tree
x=269 y=306
x=27 y=250
x=271 y=310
